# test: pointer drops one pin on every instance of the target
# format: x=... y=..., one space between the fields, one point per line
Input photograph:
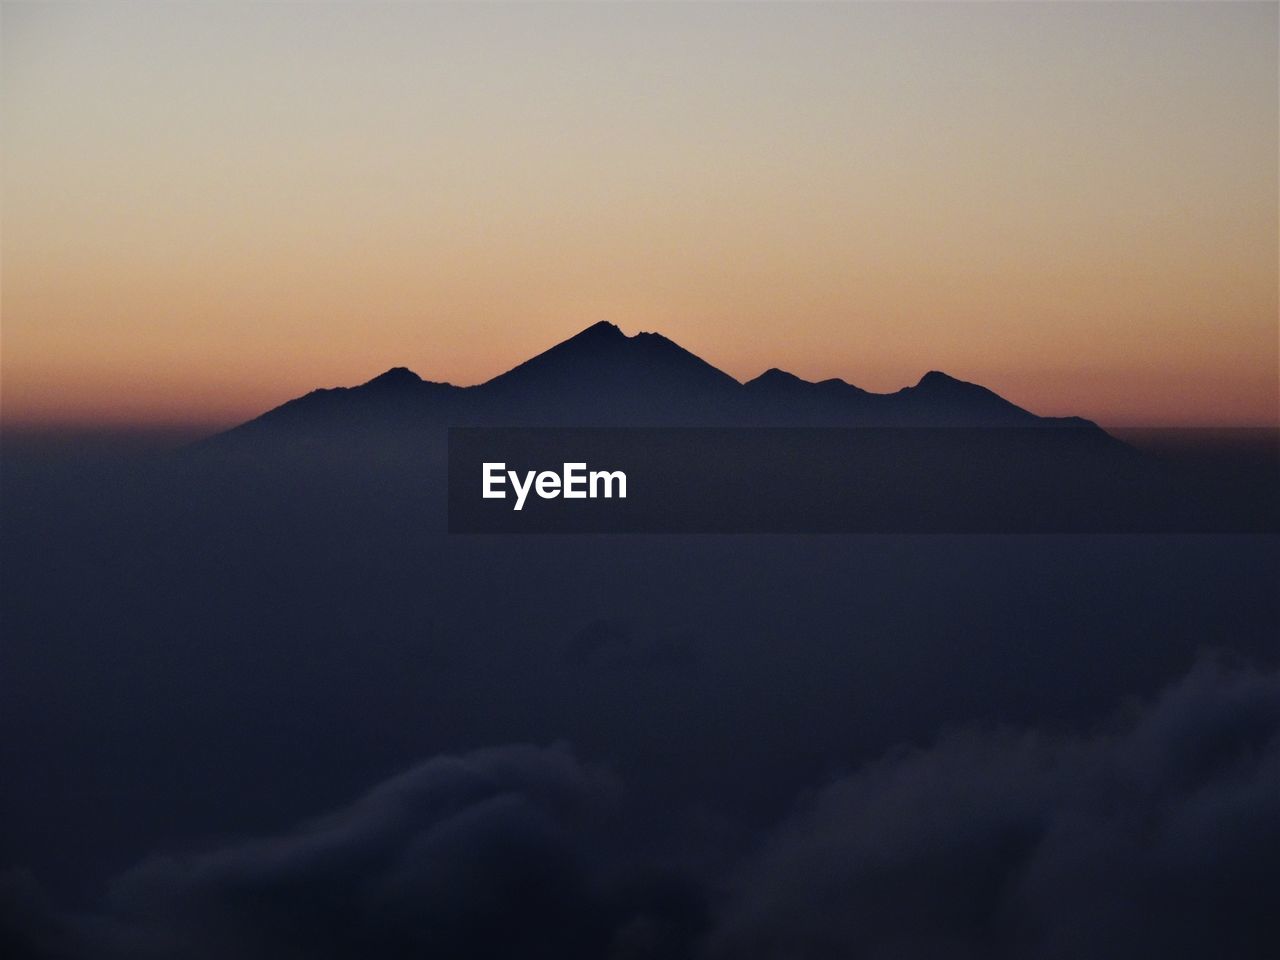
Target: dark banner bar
x=820 y=480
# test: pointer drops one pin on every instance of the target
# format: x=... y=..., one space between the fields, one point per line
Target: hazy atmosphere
x=210 y=208
x=925 y=358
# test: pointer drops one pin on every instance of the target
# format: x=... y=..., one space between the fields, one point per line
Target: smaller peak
x=837 y=385
x=936 y=378
x=776 y=375
x=396 y=376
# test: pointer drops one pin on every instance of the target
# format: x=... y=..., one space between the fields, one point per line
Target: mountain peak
x=936 y=378
x=395 y=377
x=600 y=329
x=775 y=376
x=602 y=360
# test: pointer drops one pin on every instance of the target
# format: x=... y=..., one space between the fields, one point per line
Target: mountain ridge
x=602 y=376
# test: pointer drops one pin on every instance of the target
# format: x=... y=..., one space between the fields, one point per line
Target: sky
x=211 y=208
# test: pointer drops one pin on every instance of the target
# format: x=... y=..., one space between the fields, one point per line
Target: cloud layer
x=493 y=854
x=1154 y=841
x=1158 y=836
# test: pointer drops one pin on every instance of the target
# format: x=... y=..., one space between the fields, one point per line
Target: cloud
x=1162 y=839
x=498 y=853
x=1156 y=836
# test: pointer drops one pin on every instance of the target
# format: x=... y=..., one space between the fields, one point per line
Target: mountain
x=945 y=455
x=603 y=377
x=603 y=358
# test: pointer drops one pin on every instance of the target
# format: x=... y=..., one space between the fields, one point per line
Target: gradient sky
x=208 y=209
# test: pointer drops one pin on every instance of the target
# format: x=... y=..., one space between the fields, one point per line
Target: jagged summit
x=602 y=358
x=600 y=328
x=597 y=334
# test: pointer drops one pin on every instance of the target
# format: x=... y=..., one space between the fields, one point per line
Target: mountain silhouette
x=941 y=455
x=603 y=377
x=604 y=359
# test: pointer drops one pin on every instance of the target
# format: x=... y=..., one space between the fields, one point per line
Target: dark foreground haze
x=256 y=707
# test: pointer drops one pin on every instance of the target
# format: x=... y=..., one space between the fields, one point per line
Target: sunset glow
x=209 y=209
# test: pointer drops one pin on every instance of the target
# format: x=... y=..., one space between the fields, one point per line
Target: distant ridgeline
x=775 y=454
x=602 y=377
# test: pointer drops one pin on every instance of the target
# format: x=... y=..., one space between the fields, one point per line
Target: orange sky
x=208 y=209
